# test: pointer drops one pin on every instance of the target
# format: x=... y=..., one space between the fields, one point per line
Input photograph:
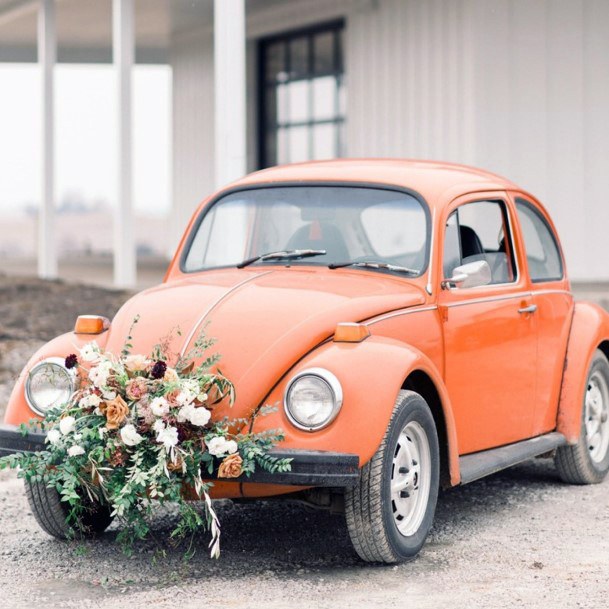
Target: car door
x=490 y=331
x=554 y=302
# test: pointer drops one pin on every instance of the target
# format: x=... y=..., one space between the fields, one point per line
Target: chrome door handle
x=530 y=309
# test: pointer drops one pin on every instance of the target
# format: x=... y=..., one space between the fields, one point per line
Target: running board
x=486 y=462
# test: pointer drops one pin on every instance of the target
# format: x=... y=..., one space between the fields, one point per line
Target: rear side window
x=543 y=255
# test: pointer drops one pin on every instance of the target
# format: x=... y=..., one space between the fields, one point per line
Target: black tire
x=369 y=506
x=574 y=463
x=51 y=514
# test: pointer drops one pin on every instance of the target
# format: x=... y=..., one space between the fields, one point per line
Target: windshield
x=347 y=223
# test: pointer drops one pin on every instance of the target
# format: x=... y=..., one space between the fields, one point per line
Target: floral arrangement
x=138 y=430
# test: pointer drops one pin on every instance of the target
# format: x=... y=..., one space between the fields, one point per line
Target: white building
x=520 y=87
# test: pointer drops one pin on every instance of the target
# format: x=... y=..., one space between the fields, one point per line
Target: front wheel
x=390 y=511
x=587 y=462
x=51 y=513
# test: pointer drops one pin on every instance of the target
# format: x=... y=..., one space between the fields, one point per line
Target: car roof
x=433 y=180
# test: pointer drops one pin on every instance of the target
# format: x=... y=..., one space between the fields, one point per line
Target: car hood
x=263 y=320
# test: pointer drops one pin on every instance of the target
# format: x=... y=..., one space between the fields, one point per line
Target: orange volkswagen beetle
x=412 y=320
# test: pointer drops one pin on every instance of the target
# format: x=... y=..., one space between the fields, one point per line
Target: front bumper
x=309 y=467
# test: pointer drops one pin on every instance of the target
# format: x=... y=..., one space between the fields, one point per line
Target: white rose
x=109 y=395
x=130 y=436
x=184 y=413
x=90 y=400
x=191 y=386
x=67 y=425
x=53 y=436
x=90 y=352
x=199 y=416
x=168 y=437
x=158 y=426
x=231 y=447
x=76 y=450
x=136 y=363
x=159 y=406
x=100 y=373
x=184 y=398
x=217 y=446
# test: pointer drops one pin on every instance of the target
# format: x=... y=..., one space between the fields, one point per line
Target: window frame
x=337 y=27
x=520 y=200
x=506 y=213
x=298 y=184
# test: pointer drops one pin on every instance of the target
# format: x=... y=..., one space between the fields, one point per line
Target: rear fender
x=589 y=329
x=371 y=374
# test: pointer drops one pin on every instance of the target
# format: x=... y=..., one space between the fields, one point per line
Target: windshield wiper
x=289 y=254
x=375 y=265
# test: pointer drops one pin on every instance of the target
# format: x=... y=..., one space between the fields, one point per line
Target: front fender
x=589 y=328
x=18 y=411
x=371 y=373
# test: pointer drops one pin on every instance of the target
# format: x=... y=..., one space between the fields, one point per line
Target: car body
x=484 y=330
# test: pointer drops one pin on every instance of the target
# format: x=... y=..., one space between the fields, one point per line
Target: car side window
x=480 y=231
x=543 y=255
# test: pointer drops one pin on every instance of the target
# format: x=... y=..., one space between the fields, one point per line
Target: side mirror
x=470 y=275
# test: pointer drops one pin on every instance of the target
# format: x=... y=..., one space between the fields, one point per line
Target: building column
x=123 y=51
x=47 y=53
x=229 y=88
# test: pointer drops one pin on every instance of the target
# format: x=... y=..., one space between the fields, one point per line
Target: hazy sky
x=85 y=111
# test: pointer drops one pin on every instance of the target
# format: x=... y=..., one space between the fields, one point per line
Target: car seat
x=320 y=236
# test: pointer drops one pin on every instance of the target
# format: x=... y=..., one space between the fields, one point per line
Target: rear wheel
x=390 y=511
x=51 y=513
x=587 y=462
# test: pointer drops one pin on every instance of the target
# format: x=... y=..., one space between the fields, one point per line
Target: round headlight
x=313 y=398
x=49 y=384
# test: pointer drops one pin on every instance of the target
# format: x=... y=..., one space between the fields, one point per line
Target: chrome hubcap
x=410 y=478
x=596 y=413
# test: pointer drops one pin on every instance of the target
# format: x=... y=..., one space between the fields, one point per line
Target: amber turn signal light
x=349 y=332
x=91 y=324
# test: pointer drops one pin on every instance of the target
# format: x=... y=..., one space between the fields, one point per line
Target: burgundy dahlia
x=71 y=361
x=158 y=370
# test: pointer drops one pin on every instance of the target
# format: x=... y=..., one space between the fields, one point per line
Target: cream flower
x=53 y=436
x=158 y=426
x=219 y=446
x=199 y=416
x=76 y=450
x=100 y=373
x=159 y=406
x=171 y=376
x=136 y=363
x=168 y=437
x=67 y=425
x=91 y=400
x=90 y=352
x=129 y=435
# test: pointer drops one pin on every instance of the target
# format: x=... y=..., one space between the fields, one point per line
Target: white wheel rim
x=596 y=417
x=410 y=478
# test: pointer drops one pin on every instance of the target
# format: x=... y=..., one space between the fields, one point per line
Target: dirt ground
x=520 y=538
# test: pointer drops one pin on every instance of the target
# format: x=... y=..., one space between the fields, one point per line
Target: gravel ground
x=520 y=538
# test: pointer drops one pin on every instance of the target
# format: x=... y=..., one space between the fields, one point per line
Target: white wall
x=520 y=87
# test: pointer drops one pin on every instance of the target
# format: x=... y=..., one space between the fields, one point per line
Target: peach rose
x=171 y=376
x=230 y=467
x=136 y=388
x=136 y=363
x=172 y=397
x=116 y=412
